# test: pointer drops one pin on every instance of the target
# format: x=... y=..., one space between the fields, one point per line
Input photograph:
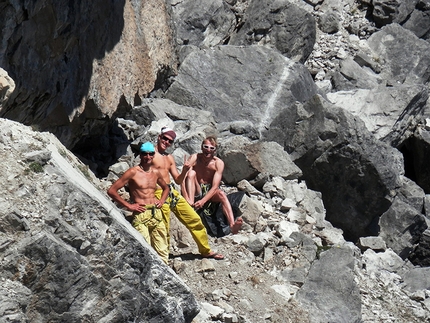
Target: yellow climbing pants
x=177 y=204
x=151 y=226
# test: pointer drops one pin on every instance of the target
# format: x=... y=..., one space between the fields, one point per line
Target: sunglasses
x=144 y=153
x=209 y=147
x=170 y=141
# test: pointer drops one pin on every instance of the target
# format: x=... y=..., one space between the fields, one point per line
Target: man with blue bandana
x=142 y=182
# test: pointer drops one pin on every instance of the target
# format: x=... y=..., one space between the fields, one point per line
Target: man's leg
x=190 y=187
x=221 y=197
x=143 y=229
x=165 y=209
x=188 y=217
x=159 y=240
x=153 y=230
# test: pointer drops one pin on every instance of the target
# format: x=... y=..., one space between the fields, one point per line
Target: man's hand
x=187 y=165
x=158 y=204
x=136 y=207
x=198 y=205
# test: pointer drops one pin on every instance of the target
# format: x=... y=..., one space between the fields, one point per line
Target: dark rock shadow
x=48 y=48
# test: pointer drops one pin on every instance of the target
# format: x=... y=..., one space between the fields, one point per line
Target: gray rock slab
x=202 y=23
x=70 y=249
x=417 y=279
x=356 y=173
x=267 y=158
x=241 y=83
x=383 y=108
x=400 y=65
x=279 y=24
x=330 y=291
x=401 y=226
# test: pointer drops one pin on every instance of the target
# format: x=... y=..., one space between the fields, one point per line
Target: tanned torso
x=163 y=164
x=142 y=185
x=205 y=169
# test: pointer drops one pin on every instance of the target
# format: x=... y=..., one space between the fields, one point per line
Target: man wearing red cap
x=176 y=203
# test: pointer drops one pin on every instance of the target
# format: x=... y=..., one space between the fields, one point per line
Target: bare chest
x=205 y=171
x=162 y=164
x=145 y=179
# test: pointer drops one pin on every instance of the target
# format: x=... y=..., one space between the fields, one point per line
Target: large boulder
x=324 y=290
x=202 y=23
x=357 y=174
x=257 y=159
x=388 y=11
x=401 y=227
x=404 y=57
x=390 y=113
x=419 y=21
x=68 y=254
x=352 y=75
x=241 y=83
x=416 y=279
x=280 y=24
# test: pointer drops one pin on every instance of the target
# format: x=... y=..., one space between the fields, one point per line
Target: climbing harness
x=150 y=222
x=209 y=208
x=173 y=199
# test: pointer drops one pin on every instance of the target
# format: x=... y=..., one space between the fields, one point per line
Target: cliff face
x=75 y=63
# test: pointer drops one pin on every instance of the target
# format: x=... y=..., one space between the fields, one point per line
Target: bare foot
x=236 y=226
x=214 y=255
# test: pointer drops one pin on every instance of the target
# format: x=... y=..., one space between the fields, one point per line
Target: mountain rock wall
x=75 y=63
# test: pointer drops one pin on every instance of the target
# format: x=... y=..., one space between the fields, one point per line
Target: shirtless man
x=147 y=217
x=176 y=203
x=203 y=181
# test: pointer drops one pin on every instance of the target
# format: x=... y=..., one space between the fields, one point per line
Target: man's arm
x=184 y=191
x=179 y=178
x=120 y=183
x=164 y=187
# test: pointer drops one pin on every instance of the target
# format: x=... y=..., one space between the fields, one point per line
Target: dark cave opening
x=416 y=154
x=100 y=151
x=408 y=159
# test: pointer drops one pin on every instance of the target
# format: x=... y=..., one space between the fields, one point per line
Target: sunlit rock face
x=74 y=64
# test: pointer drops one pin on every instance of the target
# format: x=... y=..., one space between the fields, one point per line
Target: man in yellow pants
x=142 y=182
x=176 y=203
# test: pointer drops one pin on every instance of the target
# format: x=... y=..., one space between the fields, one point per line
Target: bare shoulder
x=219 y=164
x=193 y=158
x=128 y=175
x=170 y=158
x=131 y=171
x=161 y=161
x=156 y=172
x=218 y=160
